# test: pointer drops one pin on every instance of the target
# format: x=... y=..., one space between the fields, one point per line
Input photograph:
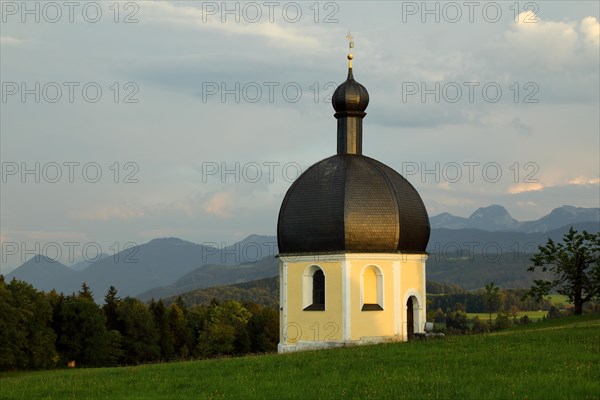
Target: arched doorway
x=410 y=318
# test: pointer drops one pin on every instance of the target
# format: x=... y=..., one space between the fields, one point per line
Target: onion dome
x=350 y=96
x=350 y=202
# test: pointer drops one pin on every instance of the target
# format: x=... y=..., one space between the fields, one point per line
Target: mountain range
x=138 y=269
x=497 y=218
x=169 y=266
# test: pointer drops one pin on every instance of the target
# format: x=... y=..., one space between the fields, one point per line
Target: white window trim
x=307 y=285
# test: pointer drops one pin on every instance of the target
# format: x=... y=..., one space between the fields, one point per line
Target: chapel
x=352 y=236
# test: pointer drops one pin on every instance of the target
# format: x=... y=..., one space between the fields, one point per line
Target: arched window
x=318 y=292
x=372 y=289
x=314 y=289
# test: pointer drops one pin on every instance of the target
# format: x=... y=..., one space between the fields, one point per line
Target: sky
x=125 y=121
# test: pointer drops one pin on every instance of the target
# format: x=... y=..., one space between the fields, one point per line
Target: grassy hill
x=552 y=359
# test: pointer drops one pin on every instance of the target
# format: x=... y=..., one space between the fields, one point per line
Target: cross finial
x=350 y=47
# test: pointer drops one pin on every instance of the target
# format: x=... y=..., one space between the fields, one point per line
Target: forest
x=42 y=330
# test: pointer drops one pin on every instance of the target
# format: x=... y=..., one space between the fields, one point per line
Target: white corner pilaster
x=397 y=294
x=424 y=306
x=346 y=309
x=283 y=296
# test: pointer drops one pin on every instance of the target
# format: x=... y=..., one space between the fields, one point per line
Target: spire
x=350 y=47
x=350 y=100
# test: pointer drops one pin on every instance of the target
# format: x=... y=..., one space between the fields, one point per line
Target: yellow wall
x=411 y=275
x=314 y=325
x=328 y=325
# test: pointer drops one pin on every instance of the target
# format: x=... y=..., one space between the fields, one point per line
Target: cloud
x=551 y=45
x=10 y=40
x=548 y=42
x=590 y=27
x=219 y=204
x=525 y=187
x=582 y=180
x=532 y=187
x=289 y=36
x=526 y=204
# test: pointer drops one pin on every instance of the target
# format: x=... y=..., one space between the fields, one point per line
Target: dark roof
x=350 y=96
x=352 y=203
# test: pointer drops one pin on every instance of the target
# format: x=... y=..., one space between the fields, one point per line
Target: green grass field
x=533 y=315
x=557 y=299
x=555 y=359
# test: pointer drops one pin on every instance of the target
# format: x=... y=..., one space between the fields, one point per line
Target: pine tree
x=85 y=292
x=111 y=302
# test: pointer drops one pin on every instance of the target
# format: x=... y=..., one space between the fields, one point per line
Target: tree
x=479 y=326
x=26 y=335
x=502 y=321
x=82 y=334
x=514 y=311
x=492 y=298
x=457 y=321
x=139 y=336
x=195 y=319
x=183 y=337
x=575 y=265
x=439 y=316
x=225 y=330
x=263 y=328
x=165 y=335
x=111 y=301
x=86 y=292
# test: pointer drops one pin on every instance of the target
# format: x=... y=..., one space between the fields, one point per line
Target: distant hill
x=251 y=249
x=83 y=264
x=497 y=218
x=508 y=270
x=133 y=271
x=215 y=274
x=263 y=291
x=444 y=240
x=45 y=272
x=166 y=267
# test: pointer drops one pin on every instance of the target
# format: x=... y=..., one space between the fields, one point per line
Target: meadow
x=551 y=359
x=532 y=315
x=556 y=299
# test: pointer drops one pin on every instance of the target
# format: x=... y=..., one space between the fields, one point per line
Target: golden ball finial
x=350 y=47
